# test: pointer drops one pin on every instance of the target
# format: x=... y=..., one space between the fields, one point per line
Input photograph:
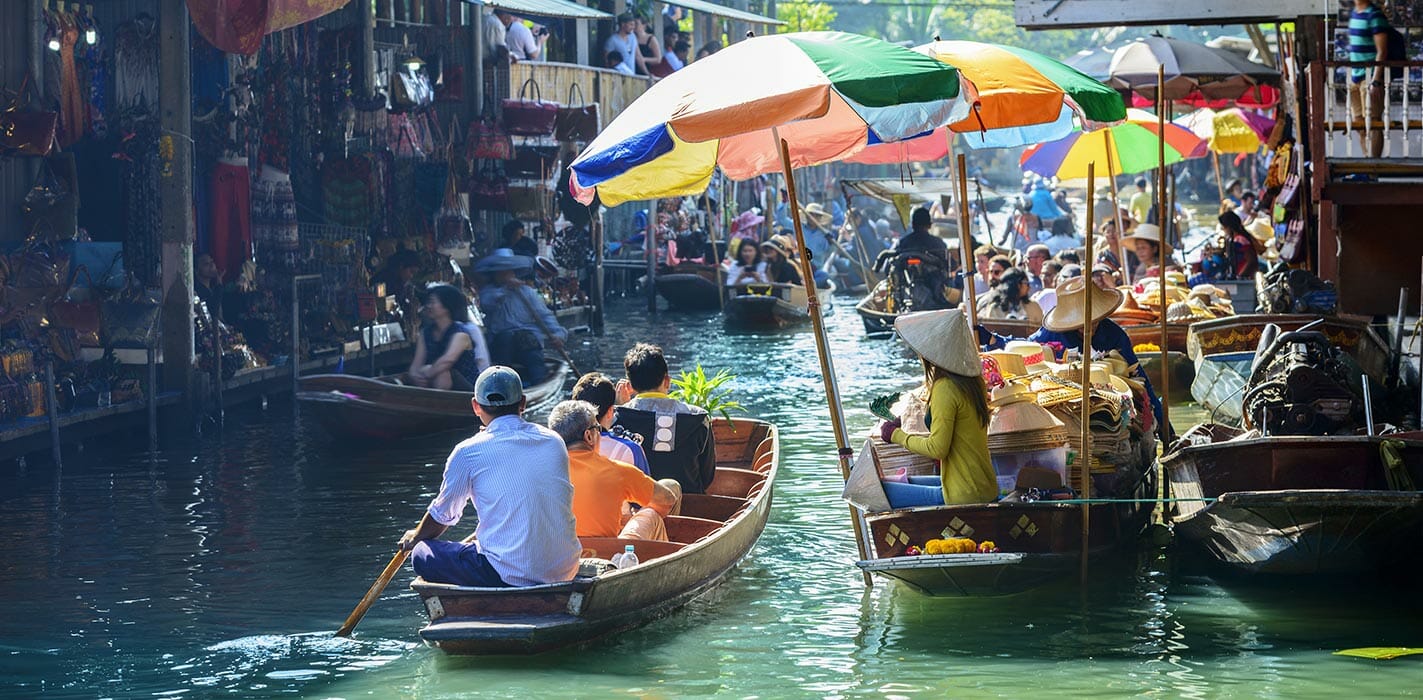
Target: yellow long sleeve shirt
x=959 y=442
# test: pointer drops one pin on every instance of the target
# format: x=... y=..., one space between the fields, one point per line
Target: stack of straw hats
x=1019 y=424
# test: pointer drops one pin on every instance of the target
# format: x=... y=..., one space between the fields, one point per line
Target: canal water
x=222 y=565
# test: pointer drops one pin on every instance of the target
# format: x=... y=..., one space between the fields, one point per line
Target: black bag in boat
x=678 y=445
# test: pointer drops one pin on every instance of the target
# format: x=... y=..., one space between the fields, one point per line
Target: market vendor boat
x=1299 y=504
x=769 y=306
x=714 y=532
x=349 y=407
x=690 y=287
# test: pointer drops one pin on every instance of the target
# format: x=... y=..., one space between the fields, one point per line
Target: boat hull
x=349 y=407
x=688 y=291
x=1242 y=334
x=1151 y=333
x=715 y=532
x=1297 y=505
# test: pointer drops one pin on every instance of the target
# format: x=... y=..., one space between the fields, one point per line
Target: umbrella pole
x=1219 y=183
x=822 y=343
x=1117 y=211
x=1086 y=461
x=1161 y=106
x=716 y=254
x=965 y=247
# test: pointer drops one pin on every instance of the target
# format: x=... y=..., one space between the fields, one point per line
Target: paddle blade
x=1380 y=653
x=371 y=595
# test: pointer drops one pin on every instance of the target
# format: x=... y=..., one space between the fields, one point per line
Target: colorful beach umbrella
x=1015 y=97
x=1191 y=69
x=920 y=149
x=1229 y=130
x=828 y=94
x=1129 y=147
x=1255 y=97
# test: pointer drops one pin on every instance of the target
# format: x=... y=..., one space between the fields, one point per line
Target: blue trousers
x=442 y=561
x=920 y=491
x=509 y=348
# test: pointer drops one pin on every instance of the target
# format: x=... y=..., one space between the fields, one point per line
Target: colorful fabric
x=600 y=487
x=237 y=26
x=1129 y=147
x=1229 y=130
x=827 y=94
x=1363 y=25
x=230 y=231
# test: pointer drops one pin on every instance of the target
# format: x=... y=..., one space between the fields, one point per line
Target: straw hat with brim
x=503 y=260
x=1176 y=278
x=1032 y=354
x=1010 y=394
x=817 y=212
x=1151 y=297
x=1071 y=309
x=775 y=245
x=1010 y=364
x=1150 y=233
x=1102 y=377
x=1022 y=417
x=1262 y=232
x=943 y=338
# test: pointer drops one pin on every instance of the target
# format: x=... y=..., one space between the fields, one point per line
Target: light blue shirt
x=505 y=312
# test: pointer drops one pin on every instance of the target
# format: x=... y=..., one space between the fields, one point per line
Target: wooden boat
x=386 y=408
x=1242 y=334
x=576 y=319
x=1183 y=373
x=713 y=533
x=1296 y=504
x=690 y=287
x=1141 y=332
x=879 y=322
x=760 y=306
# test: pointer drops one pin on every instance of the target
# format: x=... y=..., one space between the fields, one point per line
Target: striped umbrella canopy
x=920 y=149
x=1129 y=147
x=1191 y=69
x=1015 y=97
x=828 y=94
x=1229 y=130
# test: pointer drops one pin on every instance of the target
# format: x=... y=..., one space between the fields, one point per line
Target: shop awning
x=712 y=8
x=562 y=9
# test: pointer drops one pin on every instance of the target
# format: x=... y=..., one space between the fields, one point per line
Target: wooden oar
x=370 y=598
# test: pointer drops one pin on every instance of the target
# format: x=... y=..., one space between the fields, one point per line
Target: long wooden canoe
x=1298 y=505
x=714 y=532
x=1241 y=333
x=384 y=408
x=770 y=306
x=690 y=287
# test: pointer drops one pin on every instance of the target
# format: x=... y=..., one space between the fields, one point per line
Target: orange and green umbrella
x=1129 y=147
x=828 y=94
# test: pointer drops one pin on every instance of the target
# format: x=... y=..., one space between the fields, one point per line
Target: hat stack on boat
x=1110 y=412
x=1024 y=438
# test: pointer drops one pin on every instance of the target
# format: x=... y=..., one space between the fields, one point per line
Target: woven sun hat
x=1011 y=393
x=1103 y=378
x=815 y=211
x=943 y=338
x=1150 y=233
x=1260 y=229
x=1150 y=296
x=777 y=245
x=1032 y=354
x=1116 y=365
x=1010 y=364
x=1018 y=412
x=504 y=259
x=1210 y=293
x=1071 y=311
x=1176 y=278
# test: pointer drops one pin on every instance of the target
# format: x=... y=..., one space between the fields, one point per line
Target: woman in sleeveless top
x=649 y=51
x=450 y=351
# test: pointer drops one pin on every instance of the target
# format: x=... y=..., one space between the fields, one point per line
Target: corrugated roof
x=562 y=9
x=712 y=8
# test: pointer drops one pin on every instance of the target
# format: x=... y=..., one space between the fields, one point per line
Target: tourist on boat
x=957 y=414
x=1242 y=261
x=516 y=239
x=816 y=227
x=450 y=351
x=516 y=475
x=1047 y=298
x=1036 y=256
x=602 y=486
x=1107 y=244
x=518 y=320
x=933 y=271
x=1010 y=299
x=676 y=437
x=1146 y=243
x=1141 y=201
x=921 y=238
x=998 y=265
x=597 y=389
x=1063 y=325
x=1062 y=238
x=747 y=267
x=1234 y=192
x=778 y=266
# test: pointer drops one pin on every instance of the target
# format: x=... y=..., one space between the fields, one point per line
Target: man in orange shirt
x=602 y=486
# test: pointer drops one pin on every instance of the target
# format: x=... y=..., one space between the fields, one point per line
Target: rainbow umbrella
x=1229 y=130
x=1015 y=97
x=1129 y=147
x=828 y=94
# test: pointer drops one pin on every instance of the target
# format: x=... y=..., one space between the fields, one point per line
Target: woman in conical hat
x=957 y=415
x=1063 y=325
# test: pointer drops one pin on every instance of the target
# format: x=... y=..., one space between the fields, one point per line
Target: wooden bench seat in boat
x=711 y=507
x=685 y=529
x=736 y=483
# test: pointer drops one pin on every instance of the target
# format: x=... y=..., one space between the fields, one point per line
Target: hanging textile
x=237 y=26
x=230 y=234
x=136 y=66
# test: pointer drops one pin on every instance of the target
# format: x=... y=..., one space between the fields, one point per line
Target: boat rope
x=1081 y=501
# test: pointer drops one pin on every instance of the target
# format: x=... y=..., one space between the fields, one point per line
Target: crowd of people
x=631 y=49
x=614 y=460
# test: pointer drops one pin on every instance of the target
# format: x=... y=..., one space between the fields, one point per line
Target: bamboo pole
x=1086 y=461
x=966 y=258
x=1117 y=211
x=1219 y=183
x=716 y=254
x=1161 y=106
x=822 y=343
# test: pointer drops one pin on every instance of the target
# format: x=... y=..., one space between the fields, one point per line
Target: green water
x=221 y=567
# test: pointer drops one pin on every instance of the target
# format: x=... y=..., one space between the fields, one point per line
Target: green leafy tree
x=806 y=16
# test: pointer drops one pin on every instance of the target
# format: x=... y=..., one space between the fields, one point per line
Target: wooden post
x=599 y=294
x=1117 y=212
x=822 y=343
x=476 y=49
x=175 y=189
x=52 y=408
x=367 y=47
x=716 y=255
x=966 y=258
x=1086 y=461
x=1161 y=106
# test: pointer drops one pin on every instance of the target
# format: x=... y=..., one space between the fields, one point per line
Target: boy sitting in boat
x=597 y=389
x=516 y=474
x=601 y=486
x=676 y=437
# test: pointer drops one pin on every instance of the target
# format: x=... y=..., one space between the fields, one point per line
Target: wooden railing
x=611 y=90
x=1334 y=104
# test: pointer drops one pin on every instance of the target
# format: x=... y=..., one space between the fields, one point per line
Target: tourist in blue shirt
x=1368 y=41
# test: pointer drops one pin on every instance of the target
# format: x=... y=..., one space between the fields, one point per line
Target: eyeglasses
x=995 y=271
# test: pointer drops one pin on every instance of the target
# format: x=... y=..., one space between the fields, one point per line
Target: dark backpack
x=1397 y=51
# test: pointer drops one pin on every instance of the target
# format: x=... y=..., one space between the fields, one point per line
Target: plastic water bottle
x=627 y=559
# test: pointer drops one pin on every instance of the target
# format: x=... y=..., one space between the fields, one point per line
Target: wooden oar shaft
x=966 y=256
x=1117 y=212
x=1162 y=105
x=371 y=595
x=1086 y=462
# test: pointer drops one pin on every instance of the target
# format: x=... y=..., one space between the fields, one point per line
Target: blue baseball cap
x=498 y=386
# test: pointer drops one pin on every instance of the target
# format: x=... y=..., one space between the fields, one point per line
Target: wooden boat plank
x=736 y=483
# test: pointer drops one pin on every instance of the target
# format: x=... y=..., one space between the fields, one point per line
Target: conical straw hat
x=943 y=338
x=1071 y=310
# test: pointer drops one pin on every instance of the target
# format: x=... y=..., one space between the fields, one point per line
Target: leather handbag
x=577 y=121
x=51 y=206
x=533 y=163
x=530 y=117
x=130 y=320
x=76 y=312
x=451 y=85
x=489 y=190
x=26 y=132
x=528 y=202
x=1295 y=247
x=486 y=140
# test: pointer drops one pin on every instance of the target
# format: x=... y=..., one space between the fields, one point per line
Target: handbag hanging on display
x=486 y=140
x=577 y=121
x=527 y=202
x=530 y=117
x=533 y=163
x=78 y=310
x=489 y=190
x=26 y=132
x=130 y=320
x=51 y=206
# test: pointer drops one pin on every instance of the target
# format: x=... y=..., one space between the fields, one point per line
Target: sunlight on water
x=222 y=568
